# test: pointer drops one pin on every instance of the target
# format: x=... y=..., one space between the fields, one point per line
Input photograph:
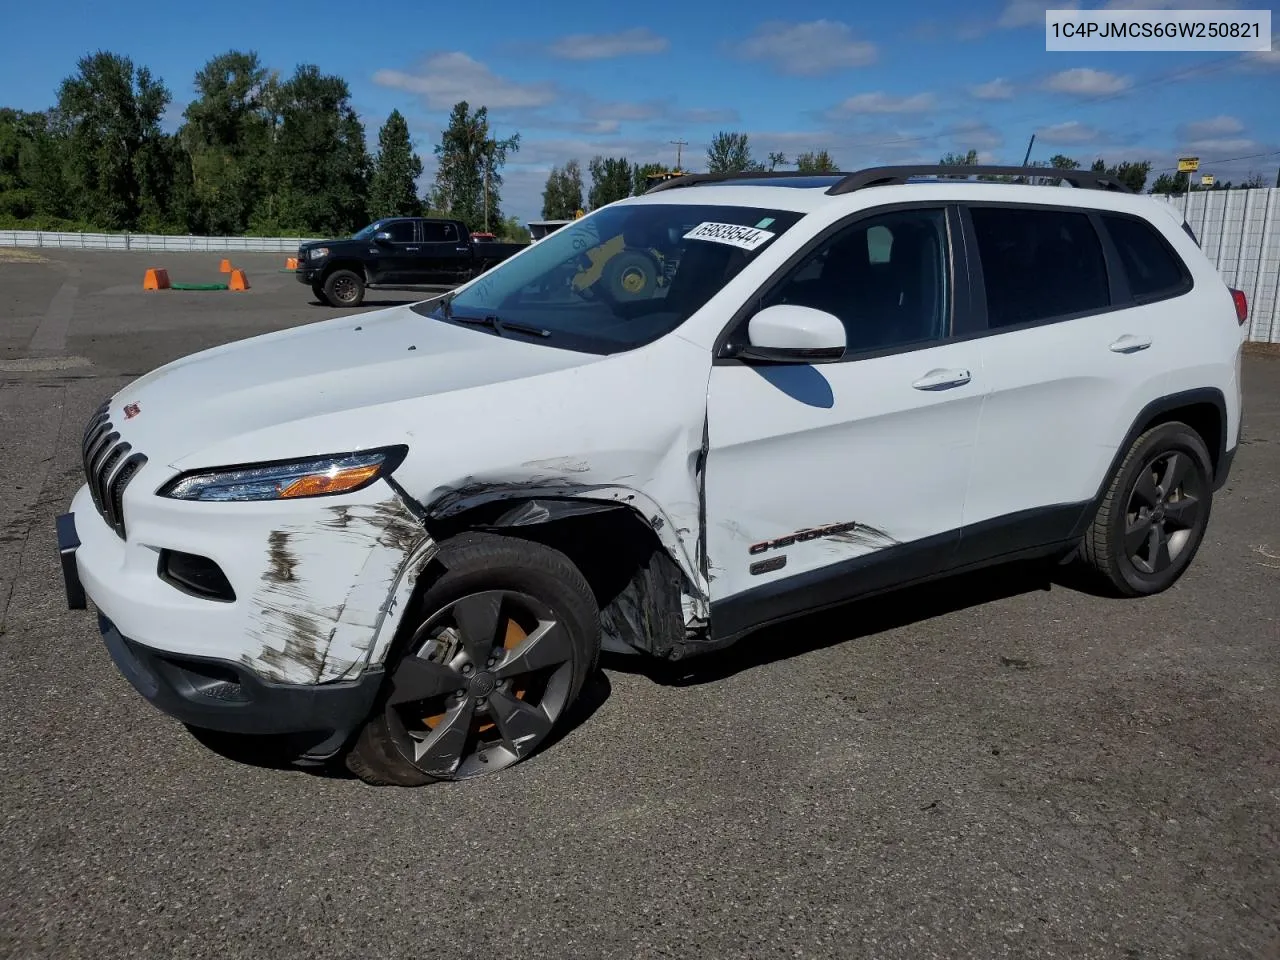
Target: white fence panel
x=147 y=241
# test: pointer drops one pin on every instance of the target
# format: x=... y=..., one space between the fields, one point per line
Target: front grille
x=109 y=464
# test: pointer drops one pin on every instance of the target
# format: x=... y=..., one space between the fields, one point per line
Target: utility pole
x=679 y=145
x=1027 y=158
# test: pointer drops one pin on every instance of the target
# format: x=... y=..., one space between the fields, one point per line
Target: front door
x=826 y=480
x=396 y=257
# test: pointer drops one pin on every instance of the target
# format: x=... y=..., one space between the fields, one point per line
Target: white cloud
x=1071 y=132
x=445 y=78
x=606 y=46
x=1223 y=145
x=1261 y=61
x=1087 y=82
x=976 y=135
x=808 y=49
x=1213 y=127
x=879 y=102
x=997 y=89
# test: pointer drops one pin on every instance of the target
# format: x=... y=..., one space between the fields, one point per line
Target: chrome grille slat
x=109 y=465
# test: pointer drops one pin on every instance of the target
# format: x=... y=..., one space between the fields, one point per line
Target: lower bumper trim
x=228 y=697
x=68 y=544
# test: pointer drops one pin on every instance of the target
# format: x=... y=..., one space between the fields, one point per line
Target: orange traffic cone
x=156 y=278
x=238 y=280
x=225 y=266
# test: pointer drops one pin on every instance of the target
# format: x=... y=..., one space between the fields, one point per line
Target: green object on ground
x=198 y=286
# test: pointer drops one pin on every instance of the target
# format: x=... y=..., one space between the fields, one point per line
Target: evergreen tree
x=468 y=183
x=562 y=195
x=393 y=192
x=610 y=180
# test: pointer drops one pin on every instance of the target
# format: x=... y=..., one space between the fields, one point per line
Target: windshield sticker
x=735 y=235
x=764 y=223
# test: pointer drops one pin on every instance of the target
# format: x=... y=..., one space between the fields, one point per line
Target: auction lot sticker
x=735 y=235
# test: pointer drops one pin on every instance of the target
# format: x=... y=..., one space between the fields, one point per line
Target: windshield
x=620 y=278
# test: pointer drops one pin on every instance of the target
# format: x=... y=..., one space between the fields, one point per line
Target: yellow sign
x=1206 y=180
x=1188 y=164
x=579 y=215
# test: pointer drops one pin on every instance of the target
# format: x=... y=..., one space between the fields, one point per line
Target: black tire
x=344 y=288
x=317 y=290
x=631 y=276
x=479 y=566
x=1146 y=506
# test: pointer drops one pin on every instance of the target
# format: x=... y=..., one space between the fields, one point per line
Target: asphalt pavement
x=998 y=766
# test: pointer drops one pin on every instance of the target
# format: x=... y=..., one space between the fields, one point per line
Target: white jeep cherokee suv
x=402 y=537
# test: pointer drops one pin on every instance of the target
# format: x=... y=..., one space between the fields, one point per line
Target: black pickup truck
x=396 y=251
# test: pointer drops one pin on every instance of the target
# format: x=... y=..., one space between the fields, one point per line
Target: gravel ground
x=997 y=766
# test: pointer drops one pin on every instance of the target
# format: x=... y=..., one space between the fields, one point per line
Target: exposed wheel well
x=637 y=585
x=355 y=266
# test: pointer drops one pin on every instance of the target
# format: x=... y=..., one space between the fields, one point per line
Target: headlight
x=317 y=252
x=289 y=480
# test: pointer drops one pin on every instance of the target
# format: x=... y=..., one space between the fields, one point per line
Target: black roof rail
x=887 y=176
x=693 y=179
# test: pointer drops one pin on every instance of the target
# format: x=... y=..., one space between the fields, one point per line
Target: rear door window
x=1039 y=265
x=1153 y=268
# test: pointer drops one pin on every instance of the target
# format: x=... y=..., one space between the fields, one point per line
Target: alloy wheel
x=484 y=681
x=1165 y=507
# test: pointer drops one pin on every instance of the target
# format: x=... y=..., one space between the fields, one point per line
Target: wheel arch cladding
x=648 y=603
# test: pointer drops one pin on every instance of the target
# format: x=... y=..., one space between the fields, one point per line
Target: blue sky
x=886 y=83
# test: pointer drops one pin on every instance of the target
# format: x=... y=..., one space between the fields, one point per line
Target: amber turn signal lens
x=321 y=483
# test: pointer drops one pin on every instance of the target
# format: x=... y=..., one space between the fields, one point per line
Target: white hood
x=314 y=370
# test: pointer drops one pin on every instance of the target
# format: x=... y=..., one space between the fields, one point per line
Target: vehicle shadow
x=373 y=304
x=837 y=625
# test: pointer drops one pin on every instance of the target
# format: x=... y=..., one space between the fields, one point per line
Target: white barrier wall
x=1239 y=230
x=148 y=241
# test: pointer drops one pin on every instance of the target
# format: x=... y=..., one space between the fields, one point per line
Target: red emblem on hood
x=131 y=410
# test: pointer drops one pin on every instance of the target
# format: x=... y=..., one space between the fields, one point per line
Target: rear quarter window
x=1152 y=266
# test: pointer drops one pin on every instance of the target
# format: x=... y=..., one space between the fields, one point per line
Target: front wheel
x=505 y=640
x=1155 y=512
x=317 y=290
x=344 y=288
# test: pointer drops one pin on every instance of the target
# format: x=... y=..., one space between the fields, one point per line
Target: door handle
x=462 y=249
x=942 y=380
x=411 y=249
x=1130 y=344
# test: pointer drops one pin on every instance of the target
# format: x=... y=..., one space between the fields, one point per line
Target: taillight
x=1242 y=306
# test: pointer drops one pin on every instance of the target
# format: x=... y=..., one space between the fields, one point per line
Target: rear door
x=825 y=480
x=1070 y=357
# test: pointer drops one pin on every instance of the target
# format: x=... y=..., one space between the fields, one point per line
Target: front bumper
x=307 y=274
x=221 y=695
x=216 y=694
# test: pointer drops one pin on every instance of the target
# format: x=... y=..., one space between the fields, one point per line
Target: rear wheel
x=344 y=288
x=505 y=639
x=1155 y=512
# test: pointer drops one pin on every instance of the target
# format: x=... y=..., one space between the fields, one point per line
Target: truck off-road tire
x=631 y=276
x=317 y=290
x=344 y=288
x=1155 y=512
x=501 y=645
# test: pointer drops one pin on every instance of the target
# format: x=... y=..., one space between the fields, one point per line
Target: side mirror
x=792 y=334
x=382 y=236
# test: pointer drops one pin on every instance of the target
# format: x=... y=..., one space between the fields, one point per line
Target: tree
x=1132 y=175
x=319 y=165
x=227 y=141
x=640 y=174
x=109 y=114
x=610 y=180
x=819 y=162
x=731 y=153
x=32 y=183
x=1060 y=162
x=511 y=230
x=1167 y=184
x=469 y=180
x=562 y=196
x=393 y=191
x=777 y=159
x=959 y=159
